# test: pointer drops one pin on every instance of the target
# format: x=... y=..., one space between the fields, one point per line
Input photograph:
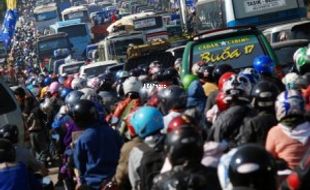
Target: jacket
x=121 y=175
x=196 y=96
x=255 y=129
x=289 y=144
x=228 y=123
x=96 y=154
x=191 y=177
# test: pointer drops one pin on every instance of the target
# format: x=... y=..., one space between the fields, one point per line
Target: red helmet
x=177 y=122
x=220 y=101
x=68 y=82
x=224 y=78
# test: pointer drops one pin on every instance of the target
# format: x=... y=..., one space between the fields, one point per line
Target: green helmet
x=301 y=59
x=188 y=79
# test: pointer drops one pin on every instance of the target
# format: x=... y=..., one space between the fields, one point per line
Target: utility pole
x=183 y=12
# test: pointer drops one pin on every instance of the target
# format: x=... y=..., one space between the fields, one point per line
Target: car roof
x=283 y=27
x=290 y=43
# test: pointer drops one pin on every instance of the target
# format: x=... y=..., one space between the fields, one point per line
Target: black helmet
x=264 y=94
x=159 y=76
x=219 y=70
x=184 y=144
x=172 y=97
x=171 y=73
x=206 y=71
x=252 y=166
x=9 y=132
x=84 y=113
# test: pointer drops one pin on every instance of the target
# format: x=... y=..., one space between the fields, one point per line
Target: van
x=10 y=112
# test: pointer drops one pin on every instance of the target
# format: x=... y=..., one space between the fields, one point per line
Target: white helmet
x=132 y=84
x=78 y=83
x=290 y=81
x=89 y=94
x=289 y=103
x=94 y=83
x=237 y=87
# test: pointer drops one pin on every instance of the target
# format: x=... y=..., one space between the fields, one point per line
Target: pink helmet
x=54 y=87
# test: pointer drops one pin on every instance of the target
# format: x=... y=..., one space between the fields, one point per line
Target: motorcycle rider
x=97 y=150
x=184 y=149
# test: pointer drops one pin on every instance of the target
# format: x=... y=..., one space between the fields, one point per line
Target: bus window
x=78 y=15
x=74 y=30
x=210 y=14
x=48 y=46
x=238 y=51
x=119 y=47
x=46 y=16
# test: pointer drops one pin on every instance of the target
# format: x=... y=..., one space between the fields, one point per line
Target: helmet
x=171 y=73
x=252 y=166
x=46 y=106
x=251 y=74
x=220 y=102
x=64 y=92
x=146 y=121
x=159 y=76
x=122 y=74
x=290 y=81
x=35 y=91
x=302 y=59
x=132 y=84
x=108 y=99
x=219 y=70
x=53 y=88
x=78 y=83
x=187 y=80
x=172 y=97
x=84 y=113
x=89 y=94
x=9 y=132
x=224 y=78
x=145 y=93
x=178 y=122
x=206 y=71
x=237 y=88
x=264 y=94
x=289 y=103
x=196 y=67
x=94 y=83
x=68 y=82
x=263 y=64
x=184 y=140
x=72 y=98
x=47 y=81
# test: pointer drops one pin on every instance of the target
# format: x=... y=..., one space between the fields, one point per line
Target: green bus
x=237 y=46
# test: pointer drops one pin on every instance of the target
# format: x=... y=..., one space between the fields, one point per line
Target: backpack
x=151 y=164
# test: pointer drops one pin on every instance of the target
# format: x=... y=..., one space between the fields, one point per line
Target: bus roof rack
x=223 y=31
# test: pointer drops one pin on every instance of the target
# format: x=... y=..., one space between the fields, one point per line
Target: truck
x=114 y=46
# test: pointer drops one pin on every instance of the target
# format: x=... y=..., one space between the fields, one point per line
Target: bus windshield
x=148 y=23
x=210 y=14
x=238 y=51
x=48 y=46
x=46 y=16
x=250 y=8
x=74 y=30
x=95 y=71
x=83 y=15
x=119 y=47
x=72 y=69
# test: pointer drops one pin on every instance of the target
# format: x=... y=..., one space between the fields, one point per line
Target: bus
x=214 y=14
x=77 y=12
x=45 y=15
x=78 y=34
x=46 y=45
x=152 y=27
x=237 y=46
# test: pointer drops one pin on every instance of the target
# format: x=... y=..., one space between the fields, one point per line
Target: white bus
x=45 y=15
x=215 y=14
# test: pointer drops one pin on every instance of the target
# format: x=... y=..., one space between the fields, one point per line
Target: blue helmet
x=146 y=121
x=47 y=81
x=64 y=92
x=72 y=98
x=263 y=64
